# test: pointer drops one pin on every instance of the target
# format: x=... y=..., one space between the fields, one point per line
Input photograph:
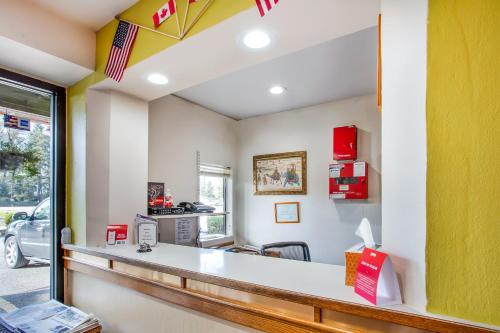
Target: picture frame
x=287 y=212
x=280 y=174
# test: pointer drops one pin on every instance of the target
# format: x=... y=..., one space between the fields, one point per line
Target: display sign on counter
x=376 y=280
x=116 y=234
x=146 y=230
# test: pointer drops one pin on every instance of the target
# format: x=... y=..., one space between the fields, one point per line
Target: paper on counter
x=364 y=231
x=184 y=228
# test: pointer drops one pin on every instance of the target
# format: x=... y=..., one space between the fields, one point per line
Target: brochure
x=51 y=316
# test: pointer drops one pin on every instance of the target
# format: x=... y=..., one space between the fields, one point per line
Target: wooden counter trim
x=318 y=315
x=396 y=317
x=238 y=313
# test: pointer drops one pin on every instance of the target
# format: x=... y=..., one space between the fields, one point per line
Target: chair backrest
x=287 y=250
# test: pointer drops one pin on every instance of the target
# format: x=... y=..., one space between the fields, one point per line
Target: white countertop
x=308 y=278
x=178 y=216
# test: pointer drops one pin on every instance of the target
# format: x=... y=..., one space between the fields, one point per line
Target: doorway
x=32 y=182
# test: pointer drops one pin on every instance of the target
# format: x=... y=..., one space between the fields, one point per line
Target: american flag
x=265 y=6
x=120 y=50
x=10 y=121
x=164 y=13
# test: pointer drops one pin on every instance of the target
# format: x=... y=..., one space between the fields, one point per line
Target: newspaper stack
x=48 y=317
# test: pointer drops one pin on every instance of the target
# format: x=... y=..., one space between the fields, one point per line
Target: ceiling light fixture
x=157 y=78
x=257 y=39
x=277 y=90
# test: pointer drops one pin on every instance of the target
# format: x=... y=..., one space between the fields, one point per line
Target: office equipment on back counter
x=161 y=202
x=166 y=211
x=196 y=207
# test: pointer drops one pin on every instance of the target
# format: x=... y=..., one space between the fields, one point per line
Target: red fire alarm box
x=349 y=180
x=345 y=143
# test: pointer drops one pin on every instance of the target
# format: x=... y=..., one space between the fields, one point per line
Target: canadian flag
x=164 y=13
x=265 y=6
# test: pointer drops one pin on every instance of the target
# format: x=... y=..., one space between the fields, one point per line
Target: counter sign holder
x=376 y=279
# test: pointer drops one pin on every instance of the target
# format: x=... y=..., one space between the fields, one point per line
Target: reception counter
x=238 y=292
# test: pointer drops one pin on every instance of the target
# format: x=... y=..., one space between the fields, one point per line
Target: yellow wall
x=463 y=181
x=147 y=44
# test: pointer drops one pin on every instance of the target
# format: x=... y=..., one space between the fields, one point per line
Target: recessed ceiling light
x=157 y=78
x=256 y=39
x=277 y=90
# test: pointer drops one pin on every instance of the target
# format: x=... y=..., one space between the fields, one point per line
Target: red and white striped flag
x=120 y=50
x=265 y=6
x=164 y=13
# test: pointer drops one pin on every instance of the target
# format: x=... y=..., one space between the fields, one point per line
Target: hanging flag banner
x=376 y=279
x=164 y=13
x=120 y=50
x=265 y=6
x=11 y=121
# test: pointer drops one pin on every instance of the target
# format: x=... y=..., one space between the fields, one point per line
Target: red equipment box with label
x=349 y=180
x=345 y=141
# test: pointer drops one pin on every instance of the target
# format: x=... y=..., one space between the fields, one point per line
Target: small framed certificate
x=287 y=212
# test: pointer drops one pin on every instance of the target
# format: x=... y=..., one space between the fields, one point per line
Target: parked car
x=28 y=237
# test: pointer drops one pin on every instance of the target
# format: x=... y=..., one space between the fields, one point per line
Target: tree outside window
x=24 y=166
x=213 y=193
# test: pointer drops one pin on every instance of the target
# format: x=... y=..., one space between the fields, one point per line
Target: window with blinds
x=213 y=192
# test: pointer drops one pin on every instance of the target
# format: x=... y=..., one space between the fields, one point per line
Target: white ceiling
x=93 y=14
x=342 y=68
x=217 y=51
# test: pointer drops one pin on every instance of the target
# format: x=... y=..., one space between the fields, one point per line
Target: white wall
x=128 y=158
x=177 y=130
x=404 y=47
x=97 y=169
x=117 y=162
x=327 y=226
x=27 y=23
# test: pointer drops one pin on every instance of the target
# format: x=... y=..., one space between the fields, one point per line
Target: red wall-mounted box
x=349 y=180
x=345 y=141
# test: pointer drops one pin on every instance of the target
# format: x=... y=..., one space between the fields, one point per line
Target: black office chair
x=287 y=250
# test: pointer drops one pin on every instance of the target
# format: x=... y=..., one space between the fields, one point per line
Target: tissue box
x=352 y=256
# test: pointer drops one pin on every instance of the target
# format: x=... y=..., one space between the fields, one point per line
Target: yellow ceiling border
x=153 y=30
x=200 y=14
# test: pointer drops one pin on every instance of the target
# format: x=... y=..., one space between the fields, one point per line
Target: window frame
x=57 y=172
x=224 y=175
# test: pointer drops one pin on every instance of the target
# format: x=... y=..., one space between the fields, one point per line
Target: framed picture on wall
x=287 y=212
x=278 y=174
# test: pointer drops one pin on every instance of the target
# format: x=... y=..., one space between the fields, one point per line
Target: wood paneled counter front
x=264 y=293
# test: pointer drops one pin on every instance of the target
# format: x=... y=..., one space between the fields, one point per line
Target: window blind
x=214 y=170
